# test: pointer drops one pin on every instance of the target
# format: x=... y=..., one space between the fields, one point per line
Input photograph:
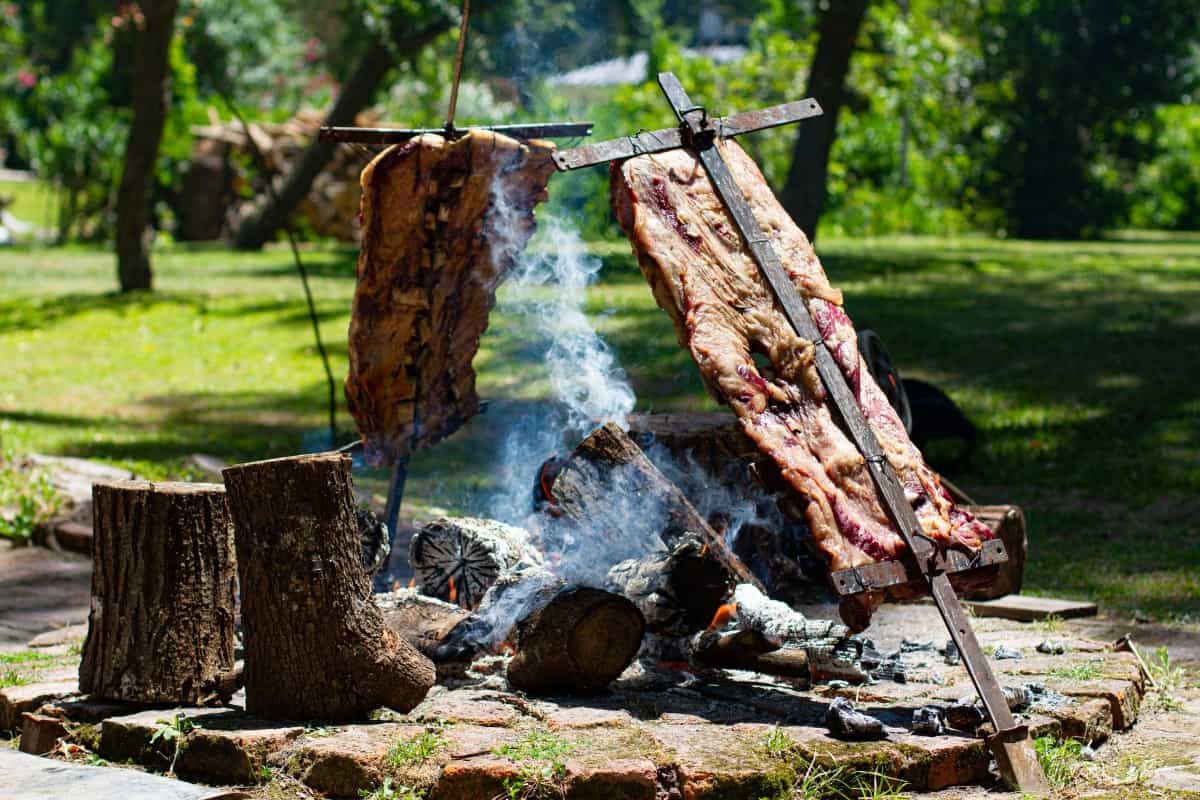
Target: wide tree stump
x=316 y=644
x=163 y=606
x=580 y=641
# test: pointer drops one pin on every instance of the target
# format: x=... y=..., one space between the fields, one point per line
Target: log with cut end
x=458 y=558
x=578 y=642
x=678 y=590
x=442 y=221
x=750 y=650
x=609 y=497
x=316 y=644
x=162 y=619
x=424 y=622
x=703 y=275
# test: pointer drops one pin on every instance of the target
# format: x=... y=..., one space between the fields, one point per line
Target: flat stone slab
x=29 y=777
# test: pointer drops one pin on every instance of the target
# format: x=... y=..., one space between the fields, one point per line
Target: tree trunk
x=163 y=607
x=151 y=91
x=316 y=644
x=803 y=193
x=580 y=641
x=355 y=94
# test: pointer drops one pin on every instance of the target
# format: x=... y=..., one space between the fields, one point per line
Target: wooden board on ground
x=1029 y=609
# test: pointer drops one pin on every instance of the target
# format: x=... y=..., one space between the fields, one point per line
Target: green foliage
x=542 y=766
x=27 y=499
x=416 y=750
x=1060 y=760
x=1081 y=671
x=1068 y=84
x=10 y=677
x=1168 y=677
x=173 y=732
x=778 y=743
x=1166 y=190
x=389 y=790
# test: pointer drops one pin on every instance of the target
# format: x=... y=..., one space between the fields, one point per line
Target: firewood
x=678 y=591
x=162 y=618
x=750 y=650
x=424 y=622
x=316 y=644
x=578 y=642
x=458 y=558
x=607 y=478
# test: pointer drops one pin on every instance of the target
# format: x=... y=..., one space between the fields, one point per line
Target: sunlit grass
x=1075 y=360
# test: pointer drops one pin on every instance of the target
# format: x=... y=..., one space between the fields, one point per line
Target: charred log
x=578 y=642
x=750 y=650
x=678 y=591
x=162 y=619
x=610 y=492
x=458 y=559
x=424 y=622
x=316 y=644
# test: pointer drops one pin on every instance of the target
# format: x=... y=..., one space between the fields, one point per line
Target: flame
x=725 y=613
x=506 y=648
x=453 y=591
x=411 y=581
x=396 y=585
x=704 y=550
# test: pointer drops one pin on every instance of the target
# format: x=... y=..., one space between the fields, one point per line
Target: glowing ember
x=725 y=613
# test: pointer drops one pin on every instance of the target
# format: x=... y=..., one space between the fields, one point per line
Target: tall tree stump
x=163 y=605
x=316 y=644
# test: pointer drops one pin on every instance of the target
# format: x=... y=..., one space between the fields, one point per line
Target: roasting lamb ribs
x=442 y=221
x=725 y=315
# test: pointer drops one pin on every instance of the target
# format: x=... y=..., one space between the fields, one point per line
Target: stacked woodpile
x=222 y=182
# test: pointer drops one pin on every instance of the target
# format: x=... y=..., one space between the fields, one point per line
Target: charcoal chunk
x=950 y=654
x=927 y=721
x=845 y=723
x=965 y=715
x=1003 y=652
x=1052 y=647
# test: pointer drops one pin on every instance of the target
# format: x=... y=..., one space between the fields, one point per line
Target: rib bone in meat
x=442 y=221
x=724 y=313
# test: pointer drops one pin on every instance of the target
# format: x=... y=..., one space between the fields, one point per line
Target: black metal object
x=671 y=138
x=1011 y=744
x=533 y=130
x=882 y=574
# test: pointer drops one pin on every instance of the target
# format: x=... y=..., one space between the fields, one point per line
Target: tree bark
x=316 y=644
x=151 y=92
x=580 y=641
x=163 y=607
x=355 y=94
x=804 y=191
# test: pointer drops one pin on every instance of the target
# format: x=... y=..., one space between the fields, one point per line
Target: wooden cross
x=698 y=132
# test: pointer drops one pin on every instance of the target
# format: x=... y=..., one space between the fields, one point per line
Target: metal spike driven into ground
x=1011 y=744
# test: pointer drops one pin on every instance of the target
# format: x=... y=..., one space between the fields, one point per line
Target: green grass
x=1060 y=760
x=416 y=750
x=1076 y=360
x=1082 y=671
x=31 y=201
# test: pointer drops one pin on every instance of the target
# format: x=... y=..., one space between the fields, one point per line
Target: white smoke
x=547 y=291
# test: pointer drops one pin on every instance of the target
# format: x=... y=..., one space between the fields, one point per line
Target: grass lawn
x=1078 y=361
x=30 y=201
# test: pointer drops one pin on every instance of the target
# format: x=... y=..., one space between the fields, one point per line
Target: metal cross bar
x=1011 y=744
x=671 y=138
x=536 y=130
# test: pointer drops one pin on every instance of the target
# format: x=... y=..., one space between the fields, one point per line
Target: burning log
x=750 y=650
x=424 y=622
x=677 y=591
x=316 y=645
x=458 y=559
x=163 y=609
x=608 y=488
x=578 y=642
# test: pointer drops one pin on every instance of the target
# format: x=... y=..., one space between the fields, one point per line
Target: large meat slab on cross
x=751 y=358
x=442 y=221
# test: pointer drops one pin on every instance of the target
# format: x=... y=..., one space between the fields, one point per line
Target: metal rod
x=458 y=64
x=532 y=130
x=391 y=514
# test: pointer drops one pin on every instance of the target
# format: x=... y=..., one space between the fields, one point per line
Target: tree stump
x=316 y=644
x=580 y=641
x=163 y=606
